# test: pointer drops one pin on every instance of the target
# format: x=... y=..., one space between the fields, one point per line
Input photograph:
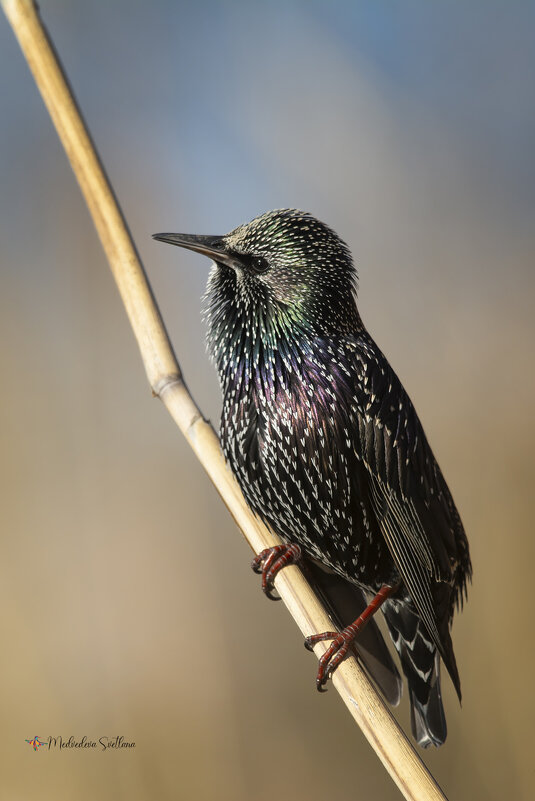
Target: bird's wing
x=409 y=496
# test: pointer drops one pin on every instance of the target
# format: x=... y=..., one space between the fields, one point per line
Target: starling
x=330 y=453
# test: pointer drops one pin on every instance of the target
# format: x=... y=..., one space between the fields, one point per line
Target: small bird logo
x=36 y=742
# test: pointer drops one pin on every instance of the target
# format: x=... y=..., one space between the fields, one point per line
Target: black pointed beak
x=211 y=246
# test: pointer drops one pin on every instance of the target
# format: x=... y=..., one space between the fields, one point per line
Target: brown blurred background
x=410 y=130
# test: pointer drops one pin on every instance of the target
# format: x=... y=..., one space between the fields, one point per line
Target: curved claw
x=330 y=660
x=332 y=657
x=270 y=561
x=263 y=561
x=256 y=564
x=268 y=591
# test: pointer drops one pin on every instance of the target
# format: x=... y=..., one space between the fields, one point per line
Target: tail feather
x=428 y=722
x=420 y=661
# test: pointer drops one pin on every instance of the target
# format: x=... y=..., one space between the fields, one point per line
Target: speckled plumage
x=325 y=442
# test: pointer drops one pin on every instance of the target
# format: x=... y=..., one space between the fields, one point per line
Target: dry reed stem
x=360 y=696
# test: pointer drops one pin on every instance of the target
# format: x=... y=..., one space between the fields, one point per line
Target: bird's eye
x=257 y=264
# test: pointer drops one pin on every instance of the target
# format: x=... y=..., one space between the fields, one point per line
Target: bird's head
x=283 y=268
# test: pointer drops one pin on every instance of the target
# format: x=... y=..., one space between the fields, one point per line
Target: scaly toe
x=314 y=639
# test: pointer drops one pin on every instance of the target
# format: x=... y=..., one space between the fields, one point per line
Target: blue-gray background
x=126 y=601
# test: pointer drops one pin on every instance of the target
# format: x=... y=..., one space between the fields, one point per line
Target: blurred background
x=127 y=603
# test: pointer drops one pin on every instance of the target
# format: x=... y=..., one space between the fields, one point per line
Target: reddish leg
x=271 y=560
x=341 y=641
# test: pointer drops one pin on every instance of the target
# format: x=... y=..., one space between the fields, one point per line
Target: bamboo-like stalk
x=360 y=696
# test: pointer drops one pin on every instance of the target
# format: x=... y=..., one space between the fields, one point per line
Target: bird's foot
x=341 y=641
x=335 y=653
x=271 y=560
